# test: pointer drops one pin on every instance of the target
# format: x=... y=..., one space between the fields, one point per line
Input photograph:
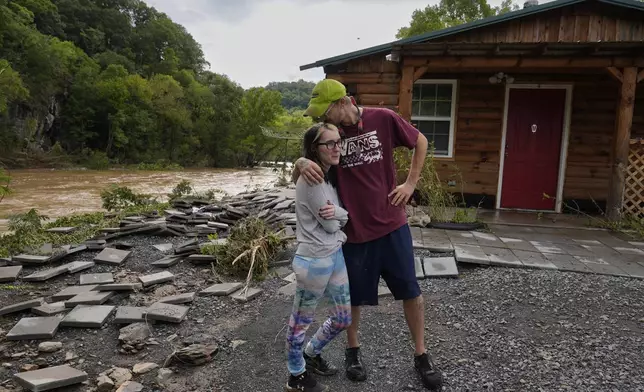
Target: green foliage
x=118 y=198
x=295 y=95
x=182 y=189
x=449 y=13
x=29 y=221
x=11 y=86
x=5 y=181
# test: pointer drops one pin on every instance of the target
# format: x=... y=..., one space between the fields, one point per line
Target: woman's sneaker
x=319 y=365
x=304 y=383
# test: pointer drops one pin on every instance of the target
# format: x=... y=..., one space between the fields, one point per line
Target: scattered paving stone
x=104 y=384
x=31 y=259
x=130 y=386
x=50 y=378
x=29 y=328
x=78 y=266
x=166 y=312
x=501 y=257
x=96 y=279
x=120 y=375
x=282 y=272
x=95 y=244
x=72 y=291
x=61 y=230
x=46 y=274
x=179 y=298
x=142 y=368
x=20 y=306
x=290 y=278
x=10 y=274
x=50 y=309
x=163 y=247
x=167 y=261
x=221 y=289
x=418 y=265
x=470 y=254
x=119 y=287
x=383 y=291
x=129 y=315
x=218 y=225
x=160 y=277
x=288 y=290
x=134 y=334
x=92 y=316
x=440 y=267
x=49 y=347
x=198 y=259
x=89 y=298
x=241 y=296
x=112 y=256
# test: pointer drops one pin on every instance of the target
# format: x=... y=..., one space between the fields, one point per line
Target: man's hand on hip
x=402 y=194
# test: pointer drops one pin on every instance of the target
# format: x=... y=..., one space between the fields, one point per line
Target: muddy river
x=60 y=192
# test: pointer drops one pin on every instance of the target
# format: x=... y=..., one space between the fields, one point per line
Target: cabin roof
x=536 y=9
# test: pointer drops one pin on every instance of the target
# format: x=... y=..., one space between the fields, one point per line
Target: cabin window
x=432 y=112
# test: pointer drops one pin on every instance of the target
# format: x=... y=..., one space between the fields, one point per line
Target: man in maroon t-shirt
x=379 y=240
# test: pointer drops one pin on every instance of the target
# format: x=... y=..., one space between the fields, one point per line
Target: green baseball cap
x=323 y=95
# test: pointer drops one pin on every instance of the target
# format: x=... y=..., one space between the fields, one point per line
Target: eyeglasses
x=331 y=144
x=324 y=115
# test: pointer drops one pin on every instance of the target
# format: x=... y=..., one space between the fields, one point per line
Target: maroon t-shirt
x=366 y=174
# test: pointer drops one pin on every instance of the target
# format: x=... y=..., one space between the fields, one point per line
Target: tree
x=449 y=13
x=295 y=95
x=11 y=87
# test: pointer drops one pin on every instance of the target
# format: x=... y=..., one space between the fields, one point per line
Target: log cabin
x=538 y=101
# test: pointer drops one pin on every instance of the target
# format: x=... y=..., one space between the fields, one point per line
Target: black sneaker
x=429 y=374
x=304 y=383
x=319 y=366
x=353 y=365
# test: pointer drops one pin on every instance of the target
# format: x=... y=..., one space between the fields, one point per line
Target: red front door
x=533 y=148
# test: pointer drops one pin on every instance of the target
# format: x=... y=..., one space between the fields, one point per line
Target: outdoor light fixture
x=500 y=77
x=395 y=57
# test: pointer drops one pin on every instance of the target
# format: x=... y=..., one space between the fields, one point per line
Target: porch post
x=406 y=90
x=621 y=142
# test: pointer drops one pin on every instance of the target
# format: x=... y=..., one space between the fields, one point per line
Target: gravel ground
x=492 y=329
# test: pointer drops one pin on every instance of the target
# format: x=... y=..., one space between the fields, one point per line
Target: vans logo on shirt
x=361 y=149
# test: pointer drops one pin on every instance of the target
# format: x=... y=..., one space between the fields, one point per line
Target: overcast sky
x=255 y=42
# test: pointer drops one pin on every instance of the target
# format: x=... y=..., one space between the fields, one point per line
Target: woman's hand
x=328 y=211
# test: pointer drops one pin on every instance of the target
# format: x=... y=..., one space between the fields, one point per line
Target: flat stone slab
x=101 y=278
x=201 y=259
x=130 y=386
x=418 y=266
x=160 y=277
x=10 y=274
x=282 y=272
x=218 y=225
x=20 y=306
x=548 y=247
x=78 y=266
x=112 y=256
x=290 y=278
x=129 y=315
x=534 y=259
x=26 y=259
x=34 y=328
x=166 y=312
x=221 y=289
x=83 y=316
x=501 y=257
x=119 y=287
x=179 y=298
x=470 y=254
x=288 y=290
x=51 y=309
x=46 y=274
x=567 y=263
x=89 y=298
x=61 y=230
x=167 y=261
x=72 y=291
x=383 y=291
x=163 y=247
x=440 y=267
x=250 y=294
x=50 y=378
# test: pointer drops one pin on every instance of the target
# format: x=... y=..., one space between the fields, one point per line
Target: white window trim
x=451 y=118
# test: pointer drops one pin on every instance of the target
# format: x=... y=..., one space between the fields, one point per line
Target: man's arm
x=309 y=169
x=417 y=160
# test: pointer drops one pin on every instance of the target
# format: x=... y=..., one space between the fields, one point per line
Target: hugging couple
x=351 y=230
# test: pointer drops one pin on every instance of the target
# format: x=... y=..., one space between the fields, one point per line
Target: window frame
x=451 y=118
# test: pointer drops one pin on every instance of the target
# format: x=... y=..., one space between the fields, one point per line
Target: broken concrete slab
x=87 y=316
x=534 y=260
x=112 y=256
x=167 y=261
x=61 y=230
x=78 y=266
x=440 y=267
x=383 y=291
x=95 y=244
x=129 y=315
x=246 y=295
x=290 y=278
x=46 y=274
x=282 y=272
x=89 y=298
x=166 y=312
x=20 y=306
x=29 y=328
x=218 y=225
x=198 y=259
x=50 y=378
x=548 y=247
x=130 y=386
x=10 y=274
x=51 y=309
x=26 y=259
x=470 y=254
x=72 y=291
x=501 y=257
x=221 y=289
x=96 y=279
x=119 y=287
x=179 y=298
x=418 y=266
x=288 y=290
x=160 y=277
x=163 y=247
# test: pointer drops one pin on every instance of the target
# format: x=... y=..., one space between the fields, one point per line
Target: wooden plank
x=582 y=26
x=516 y=62
x=621 y=145
x=405 y=94
x=595 y=28
x=615 y=73
x=420 y=71
x=377 y=88
x=379 y=99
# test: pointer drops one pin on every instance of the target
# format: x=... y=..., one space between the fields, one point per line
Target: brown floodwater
x=57 y=193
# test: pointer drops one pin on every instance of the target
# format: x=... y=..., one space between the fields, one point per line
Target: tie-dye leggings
x=317 y=278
